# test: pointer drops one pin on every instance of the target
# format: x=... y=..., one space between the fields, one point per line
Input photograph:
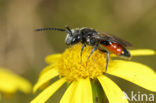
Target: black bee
x=101 y=41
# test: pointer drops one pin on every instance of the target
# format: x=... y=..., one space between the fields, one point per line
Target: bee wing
x=112 y=38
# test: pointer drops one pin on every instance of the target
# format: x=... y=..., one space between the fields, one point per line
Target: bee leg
x=107 y=61
x=107 y=58
x=93 y=50
x=82 y=48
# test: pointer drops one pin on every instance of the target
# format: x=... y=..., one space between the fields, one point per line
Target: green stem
x=0 y=97
x=98 y=93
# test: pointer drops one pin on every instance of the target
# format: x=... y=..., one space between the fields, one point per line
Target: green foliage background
x=23 y=50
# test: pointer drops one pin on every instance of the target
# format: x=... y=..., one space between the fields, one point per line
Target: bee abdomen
x=118 y=50
x=115 y=48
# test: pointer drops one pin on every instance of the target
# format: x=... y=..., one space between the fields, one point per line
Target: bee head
x=73 y=36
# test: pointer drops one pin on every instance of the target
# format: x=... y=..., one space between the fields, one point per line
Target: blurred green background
x=24 y=51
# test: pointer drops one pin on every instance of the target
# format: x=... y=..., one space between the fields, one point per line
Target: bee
x=104 y=42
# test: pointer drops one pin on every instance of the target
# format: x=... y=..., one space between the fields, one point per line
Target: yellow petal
x=83 y=92
x=44 y=78
x=112 y=91
x=142 y=52
x=24 y=85
x=49 y=67
x=10 y=82
x=53 y=58
x=137 y=73
x=48 y=92
x=69 y=94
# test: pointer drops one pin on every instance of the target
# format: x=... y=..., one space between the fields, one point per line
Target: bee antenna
x=68 y=30
x=47 y=29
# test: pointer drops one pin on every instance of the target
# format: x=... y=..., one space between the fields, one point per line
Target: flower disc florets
x=71 y=66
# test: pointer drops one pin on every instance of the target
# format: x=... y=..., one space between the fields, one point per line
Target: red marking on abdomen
x=115 y=48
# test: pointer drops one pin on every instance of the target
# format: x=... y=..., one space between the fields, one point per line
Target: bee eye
x=74 y=39
x=78 y=37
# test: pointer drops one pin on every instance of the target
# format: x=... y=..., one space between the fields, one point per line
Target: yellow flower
x=10 y=82
x=79 y=75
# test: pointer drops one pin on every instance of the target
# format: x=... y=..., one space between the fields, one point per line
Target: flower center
x=71 y=66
